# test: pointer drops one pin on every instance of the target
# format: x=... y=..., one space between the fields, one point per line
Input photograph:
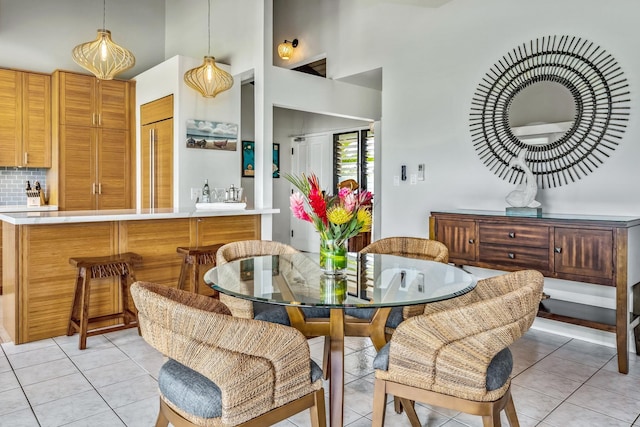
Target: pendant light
x=102 y=56
x=208 y=79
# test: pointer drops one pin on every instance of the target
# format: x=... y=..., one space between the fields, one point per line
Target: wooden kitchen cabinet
x=589 y=249
x=156 y=153
x=94 y=168
x=94 y=158
x=25 y=119
x=87 y=101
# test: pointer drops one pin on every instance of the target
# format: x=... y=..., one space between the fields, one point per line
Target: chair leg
x=491 y=421
x=326 y=359
x=510 y=410
x=410 y=410
x=397 y=406
x=183 y=274
x=318 y=412
x=379 y=403
x=162 y=420
x=195 y=277
x=75 y=308
x=84 y=311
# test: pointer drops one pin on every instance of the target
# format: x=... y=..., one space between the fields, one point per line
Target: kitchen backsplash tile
x=13 y=182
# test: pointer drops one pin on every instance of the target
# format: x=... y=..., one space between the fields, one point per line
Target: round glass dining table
x=371 y=281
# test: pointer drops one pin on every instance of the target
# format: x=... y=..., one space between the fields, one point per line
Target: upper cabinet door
x=36 y=120
x=112 y=97
x=10 y=118
x=77 y=100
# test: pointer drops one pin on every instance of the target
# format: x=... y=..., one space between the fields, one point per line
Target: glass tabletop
x=371 y=280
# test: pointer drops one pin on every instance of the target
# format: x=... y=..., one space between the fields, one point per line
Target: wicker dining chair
x=409 y=247
x=223 y=370
x=456 y=355
x=244 y=308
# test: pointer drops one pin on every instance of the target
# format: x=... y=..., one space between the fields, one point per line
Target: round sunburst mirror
x=563 y=99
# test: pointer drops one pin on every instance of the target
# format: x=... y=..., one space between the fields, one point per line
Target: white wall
x=191 y=166
x=432 y=61
x=236 y=31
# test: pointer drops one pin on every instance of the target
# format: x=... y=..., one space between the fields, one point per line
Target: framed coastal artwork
x=206 y=134
x=248 y=159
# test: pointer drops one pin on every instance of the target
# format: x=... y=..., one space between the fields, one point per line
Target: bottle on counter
x=206 y=194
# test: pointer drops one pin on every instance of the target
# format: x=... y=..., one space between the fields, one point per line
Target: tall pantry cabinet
x=92 y=148
x=156 y=153
x=25 y=119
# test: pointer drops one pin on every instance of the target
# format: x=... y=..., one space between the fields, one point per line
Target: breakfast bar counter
x=38 y=281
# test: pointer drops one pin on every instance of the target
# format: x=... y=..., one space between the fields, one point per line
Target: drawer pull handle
x=511 y=255
x=557 y=250
x=512 y=235
x=471 y=241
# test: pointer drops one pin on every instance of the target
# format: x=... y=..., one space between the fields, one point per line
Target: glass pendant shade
x=103 y=57
x=285 y=50
x=208 y=79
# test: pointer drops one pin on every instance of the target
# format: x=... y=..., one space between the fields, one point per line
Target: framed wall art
x=212 y=135
x=248 y=159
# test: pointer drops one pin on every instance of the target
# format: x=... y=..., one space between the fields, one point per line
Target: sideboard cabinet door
x=584 y=252
x=459 y=236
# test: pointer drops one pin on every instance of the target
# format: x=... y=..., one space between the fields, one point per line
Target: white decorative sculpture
x=525 y=193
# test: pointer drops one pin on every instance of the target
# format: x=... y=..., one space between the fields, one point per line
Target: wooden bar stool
x=98 y=268
x=193 y=258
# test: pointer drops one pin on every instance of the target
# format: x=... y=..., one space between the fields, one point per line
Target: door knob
x=557 y=250
x=512 y=235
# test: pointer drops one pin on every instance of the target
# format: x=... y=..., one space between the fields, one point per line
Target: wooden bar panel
x=39 y=282
x=9 y=279
x=225 y=229
x=47 y=280
x=220 y=230
x=156 y=241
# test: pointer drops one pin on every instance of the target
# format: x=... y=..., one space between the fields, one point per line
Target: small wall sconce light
x=285 y=49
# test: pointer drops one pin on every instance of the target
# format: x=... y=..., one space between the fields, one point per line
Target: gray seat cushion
x=497 y=373
x=394 y=319
x=271 y=313
x=196 y=394
x=278 y=313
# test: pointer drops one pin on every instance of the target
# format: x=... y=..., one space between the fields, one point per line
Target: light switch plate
x=396 y=181
x=195 y=193
x=413 y=179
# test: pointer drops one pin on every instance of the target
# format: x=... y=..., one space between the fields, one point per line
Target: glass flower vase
x=333 y=256
x=333 y=288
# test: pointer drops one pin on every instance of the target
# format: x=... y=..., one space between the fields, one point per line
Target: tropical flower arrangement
x=335 y=217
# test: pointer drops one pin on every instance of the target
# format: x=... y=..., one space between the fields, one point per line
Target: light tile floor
x=557 y=382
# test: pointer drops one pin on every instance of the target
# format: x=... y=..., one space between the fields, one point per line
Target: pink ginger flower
x=343 y=192
x=297 y=207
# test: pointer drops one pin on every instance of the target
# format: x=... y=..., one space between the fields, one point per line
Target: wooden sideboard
x=589 y=249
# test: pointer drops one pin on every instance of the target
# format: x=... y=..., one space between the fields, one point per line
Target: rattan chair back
x=245 y=249
x=442 y=357
x=259 y=367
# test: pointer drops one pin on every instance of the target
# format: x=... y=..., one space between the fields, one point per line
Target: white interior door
x=313 y=155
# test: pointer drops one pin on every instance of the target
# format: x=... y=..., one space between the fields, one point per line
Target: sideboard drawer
x=515 y=256
x=518 y=235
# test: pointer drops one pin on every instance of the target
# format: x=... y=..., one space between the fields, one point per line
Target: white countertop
x=25 y=208
x=68 y=217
